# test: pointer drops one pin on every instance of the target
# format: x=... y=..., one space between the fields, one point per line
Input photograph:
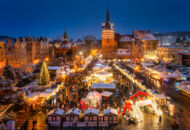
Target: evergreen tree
x=44 y=75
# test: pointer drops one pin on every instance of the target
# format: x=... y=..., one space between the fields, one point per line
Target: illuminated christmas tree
x=44 y=75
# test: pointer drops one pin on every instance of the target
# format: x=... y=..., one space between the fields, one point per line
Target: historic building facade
x=124 y=48
x=169 y=54
x=25 y=51
x=63 y=51
x=140 y=45
x=2 y=55
x=109 y=45
x=145 y=46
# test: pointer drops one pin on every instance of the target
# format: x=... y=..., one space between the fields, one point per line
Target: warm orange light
x=156 y=76
x=36 y=61
x=46 y=59
x=34 y=98
x=2 y=65
x=137 y=68
x=82 y=62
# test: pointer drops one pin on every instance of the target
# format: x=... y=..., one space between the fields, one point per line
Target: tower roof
x=65 y=37
x=108 y=16
x=107 y=25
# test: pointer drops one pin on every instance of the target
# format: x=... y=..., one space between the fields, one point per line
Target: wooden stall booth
x=91 y=117
x=72 y=115
x=55 y=117
x=111 y=116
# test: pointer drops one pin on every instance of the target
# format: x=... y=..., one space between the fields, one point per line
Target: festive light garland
x=136 y=107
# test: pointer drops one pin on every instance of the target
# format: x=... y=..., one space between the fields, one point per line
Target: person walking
x=160 y=119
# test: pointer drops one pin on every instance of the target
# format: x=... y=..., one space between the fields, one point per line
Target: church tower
x=65 y=37
x=109 y=44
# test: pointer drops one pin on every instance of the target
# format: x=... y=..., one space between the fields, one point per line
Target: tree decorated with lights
x=44 y=75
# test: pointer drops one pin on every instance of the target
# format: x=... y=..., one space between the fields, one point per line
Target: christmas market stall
x=111 y=116
x=91 y=116
x=106 y=94
x=102 y=87
x=55 y=117
x=72 y=115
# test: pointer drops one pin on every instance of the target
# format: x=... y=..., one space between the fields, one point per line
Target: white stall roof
x=48 y=91
x=91 y=110
x=103 y=86
x=106 y=94
x=56 y=111
x=161 y=96
x=54 y=67
x=110 y=110
x=74 y=111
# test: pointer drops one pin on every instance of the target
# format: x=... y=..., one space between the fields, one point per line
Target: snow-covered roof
x=106 y=94
x=143 y=35
x=103 y=86
x=65 y=45
x=74 y=111
x=124 y=38
x=166 y=40
x=110 y=110
x=123 y=52
x=164 y=73
x=56 y=111
x=177 y=73
x=161 y=96
x=91 y=110
x=44 y=94
x=54 y=67
x=48 y=91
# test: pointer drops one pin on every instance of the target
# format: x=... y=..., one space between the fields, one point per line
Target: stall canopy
x=75 y=111
x=96 y=68
x=161 y=96
x=164 y=74
x=54 y=67
x=177 y=74
x=48 y=90
x=110 y=110
x=91 y=110
x=103 y=86
x=56 y=111
x=106 y=94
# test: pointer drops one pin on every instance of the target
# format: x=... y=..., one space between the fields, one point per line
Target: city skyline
x=41 y=18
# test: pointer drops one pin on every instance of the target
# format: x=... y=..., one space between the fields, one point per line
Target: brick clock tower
x=109 y=44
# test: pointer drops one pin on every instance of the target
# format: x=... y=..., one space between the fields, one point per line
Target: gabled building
x=145 y=45
x=63 y=50
x=22 y=52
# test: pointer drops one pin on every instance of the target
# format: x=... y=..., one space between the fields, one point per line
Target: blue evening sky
x=84 y=17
